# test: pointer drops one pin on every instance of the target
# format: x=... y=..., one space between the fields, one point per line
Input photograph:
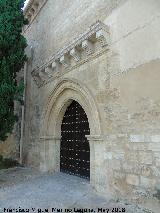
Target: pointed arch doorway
x=74 y=148
x=59 y=99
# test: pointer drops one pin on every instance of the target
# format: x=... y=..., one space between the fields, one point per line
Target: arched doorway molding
x=59 y=99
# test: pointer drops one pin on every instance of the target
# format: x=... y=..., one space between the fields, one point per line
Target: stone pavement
x=26 y=188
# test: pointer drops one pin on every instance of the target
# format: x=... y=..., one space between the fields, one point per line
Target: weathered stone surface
x=147 y=182
x=155 y=171
x=137 y=138
x=108 y=61
x=116 y=164
x=146 y=157
x=157 y=162
x=119 y=175
x=132 y=179
x=108 y=156
x=146 y=171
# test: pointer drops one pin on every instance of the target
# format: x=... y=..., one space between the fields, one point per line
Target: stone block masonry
x=106 y=56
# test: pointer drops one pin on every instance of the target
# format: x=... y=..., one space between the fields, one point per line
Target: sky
x=26 y=2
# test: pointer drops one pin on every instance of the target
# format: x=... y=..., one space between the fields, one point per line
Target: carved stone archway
x=59 y=99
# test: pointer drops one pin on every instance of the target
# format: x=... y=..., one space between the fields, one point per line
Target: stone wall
x=9 y=148
x=117 y=85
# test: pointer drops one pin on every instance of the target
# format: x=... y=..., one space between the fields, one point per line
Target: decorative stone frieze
x=43 y=74
x=56 y=66
x=88 y=46
x=80 y=49
x=101 y=36
x=48 y=71
x=65 y=61
x=75 y=54
x=53 y=65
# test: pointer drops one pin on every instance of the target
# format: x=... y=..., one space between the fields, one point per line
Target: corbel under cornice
x=78 y=50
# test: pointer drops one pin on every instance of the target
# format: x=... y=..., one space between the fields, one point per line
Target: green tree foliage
x=12 y=59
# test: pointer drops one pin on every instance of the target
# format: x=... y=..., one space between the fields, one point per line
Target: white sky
x=26 y=2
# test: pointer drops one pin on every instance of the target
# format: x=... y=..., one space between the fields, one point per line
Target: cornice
x=32 y=9
x=92 y=42
x=30 y=2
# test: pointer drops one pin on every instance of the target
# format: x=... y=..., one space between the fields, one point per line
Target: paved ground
x=26 y=188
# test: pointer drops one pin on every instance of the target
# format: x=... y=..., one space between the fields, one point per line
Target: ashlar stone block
x=132 y=179
x=157 y=160
x=155 y=138
x=147 y=182
x=145 y=157
x=119 y=175
x=108 y=156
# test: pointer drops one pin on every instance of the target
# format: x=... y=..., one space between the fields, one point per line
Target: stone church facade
x=105 y=56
